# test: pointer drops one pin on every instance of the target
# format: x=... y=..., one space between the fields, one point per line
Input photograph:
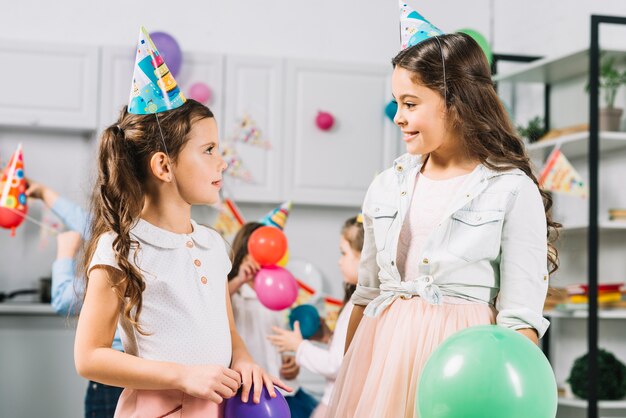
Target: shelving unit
x=591 y=144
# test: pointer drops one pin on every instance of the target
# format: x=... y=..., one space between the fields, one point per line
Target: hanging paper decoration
x=49 y=226
x=235 y=168
x=277 y=217
x=558 y=175
x=414 y=28
x=248 y=132
x=13 y=207
x=229 y=220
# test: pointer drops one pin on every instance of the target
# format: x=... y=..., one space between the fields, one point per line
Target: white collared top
x=184 y=301
x=489 y=247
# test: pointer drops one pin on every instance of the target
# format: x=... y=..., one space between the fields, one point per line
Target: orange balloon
x=267 y=245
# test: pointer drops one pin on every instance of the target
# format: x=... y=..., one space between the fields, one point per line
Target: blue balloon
x=391 y=109
x=308 y=317
x=268 y=407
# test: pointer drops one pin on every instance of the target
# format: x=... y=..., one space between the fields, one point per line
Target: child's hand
x=211 y=382
x=248 y=269
x=287 y=340
x=39 y=191
x=289 y=369
x=252 y=374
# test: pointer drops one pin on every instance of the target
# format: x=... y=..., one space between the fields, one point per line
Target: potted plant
x=610 y=81
x=534 y=130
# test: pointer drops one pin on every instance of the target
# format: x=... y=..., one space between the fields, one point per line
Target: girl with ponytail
x=162 y=276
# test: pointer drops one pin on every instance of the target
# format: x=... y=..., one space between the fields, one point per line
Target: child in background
x=255 y=322
x=67 y=290
x=153 y=268
x=455 y=232
x=326 y=362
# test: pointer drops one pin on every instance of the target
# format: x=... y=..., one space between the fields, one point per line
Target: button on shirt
x=184 y=302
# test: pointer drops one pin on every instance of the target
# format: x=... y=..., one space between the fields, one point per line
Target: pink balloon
x=200 y=92
x=275 y=287
x=324 y=121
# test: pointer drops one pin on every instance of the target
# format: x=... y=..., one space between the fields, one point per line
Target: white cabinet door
x=117 y=72
x=335 y=167
x=255 y=91
x=51 y=86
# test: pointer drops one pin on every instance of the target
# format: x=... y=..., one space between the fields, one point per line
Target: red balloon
x=267 y=245
x=11 y=219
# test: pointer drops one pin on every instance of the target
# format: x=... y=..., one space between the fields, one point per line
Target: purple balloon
x=169 y=49
x=268 y=407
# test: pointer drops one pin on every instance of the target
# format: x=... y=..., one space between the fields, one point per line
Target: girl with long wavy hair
x=457 y=232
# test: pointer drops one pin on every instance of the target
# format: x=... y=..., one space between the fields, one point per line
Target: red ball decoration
x=324 y=121
x=267 y=245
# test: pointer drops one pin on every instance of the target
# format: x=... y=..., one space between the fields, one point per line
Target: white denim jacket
x=490 y=246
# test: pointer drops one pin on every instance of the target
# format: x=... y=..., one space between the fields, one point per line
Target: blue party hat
x=154 y=89
x=277 y=217
x=414 y=28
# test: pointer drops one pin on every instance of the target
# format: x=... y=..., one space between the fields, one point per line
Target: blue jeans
x=101 y=400
x=301 y=404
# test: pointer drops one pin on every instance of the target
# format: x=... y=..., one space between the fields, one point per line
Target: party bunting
x=248 y=132
x=558 y=175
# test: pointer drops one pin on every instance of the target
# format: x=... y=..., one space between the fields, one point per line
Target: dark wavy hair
x=124 y=153
x=474 y=110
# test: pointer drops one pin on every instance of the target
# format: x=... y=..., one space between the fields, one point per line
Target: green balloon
x=481 y=41
x=487 y=371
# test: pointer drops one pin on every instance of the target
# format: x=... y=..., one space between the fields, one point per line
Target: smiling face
x=199 y=166
x=420 y=115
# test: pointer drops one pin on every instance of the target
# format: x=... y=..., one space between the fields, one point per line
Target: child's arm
x=523 y=264
x=96 y=360
x=243 y=363
x=66 y=291
x=355 y=320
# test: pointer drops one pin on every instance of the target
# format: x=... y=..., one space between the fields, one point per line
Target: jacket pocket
x=382 y=218
x=475 y=235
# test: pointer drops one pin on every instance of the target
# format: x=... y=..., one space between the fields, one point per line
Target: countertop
x=26 y=308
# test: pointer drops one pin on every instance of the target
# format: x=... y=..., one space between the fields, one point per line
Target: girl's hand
x=252 y=374
x=211 y=382
x=248 y=269
x=289 y=369
x=286 y=340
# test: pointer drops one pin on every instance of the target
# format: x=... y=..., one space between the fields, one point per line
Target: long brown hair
x=118 y=197
x=240 y=246
x=473 y=108
x=352 y=231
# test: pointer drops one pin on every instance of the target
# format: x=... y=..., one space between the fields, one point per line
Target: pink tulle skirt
x=381 y=370
x=164 y=404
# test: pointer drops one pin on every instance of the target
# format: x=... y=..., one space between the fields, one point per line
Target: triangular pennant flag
x=13 y=207
x=248 y=132
x=153 y=89
x=277 y=217
x=558 y=175
x=414 y=28
x=235 y=168
x=229 y=220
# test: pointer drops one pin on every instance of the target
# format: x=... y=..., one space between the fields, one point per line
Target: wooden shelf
x=582 y=313
x=576 y=145
x=556 y=69
x=603 y=225
x=582 y=403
